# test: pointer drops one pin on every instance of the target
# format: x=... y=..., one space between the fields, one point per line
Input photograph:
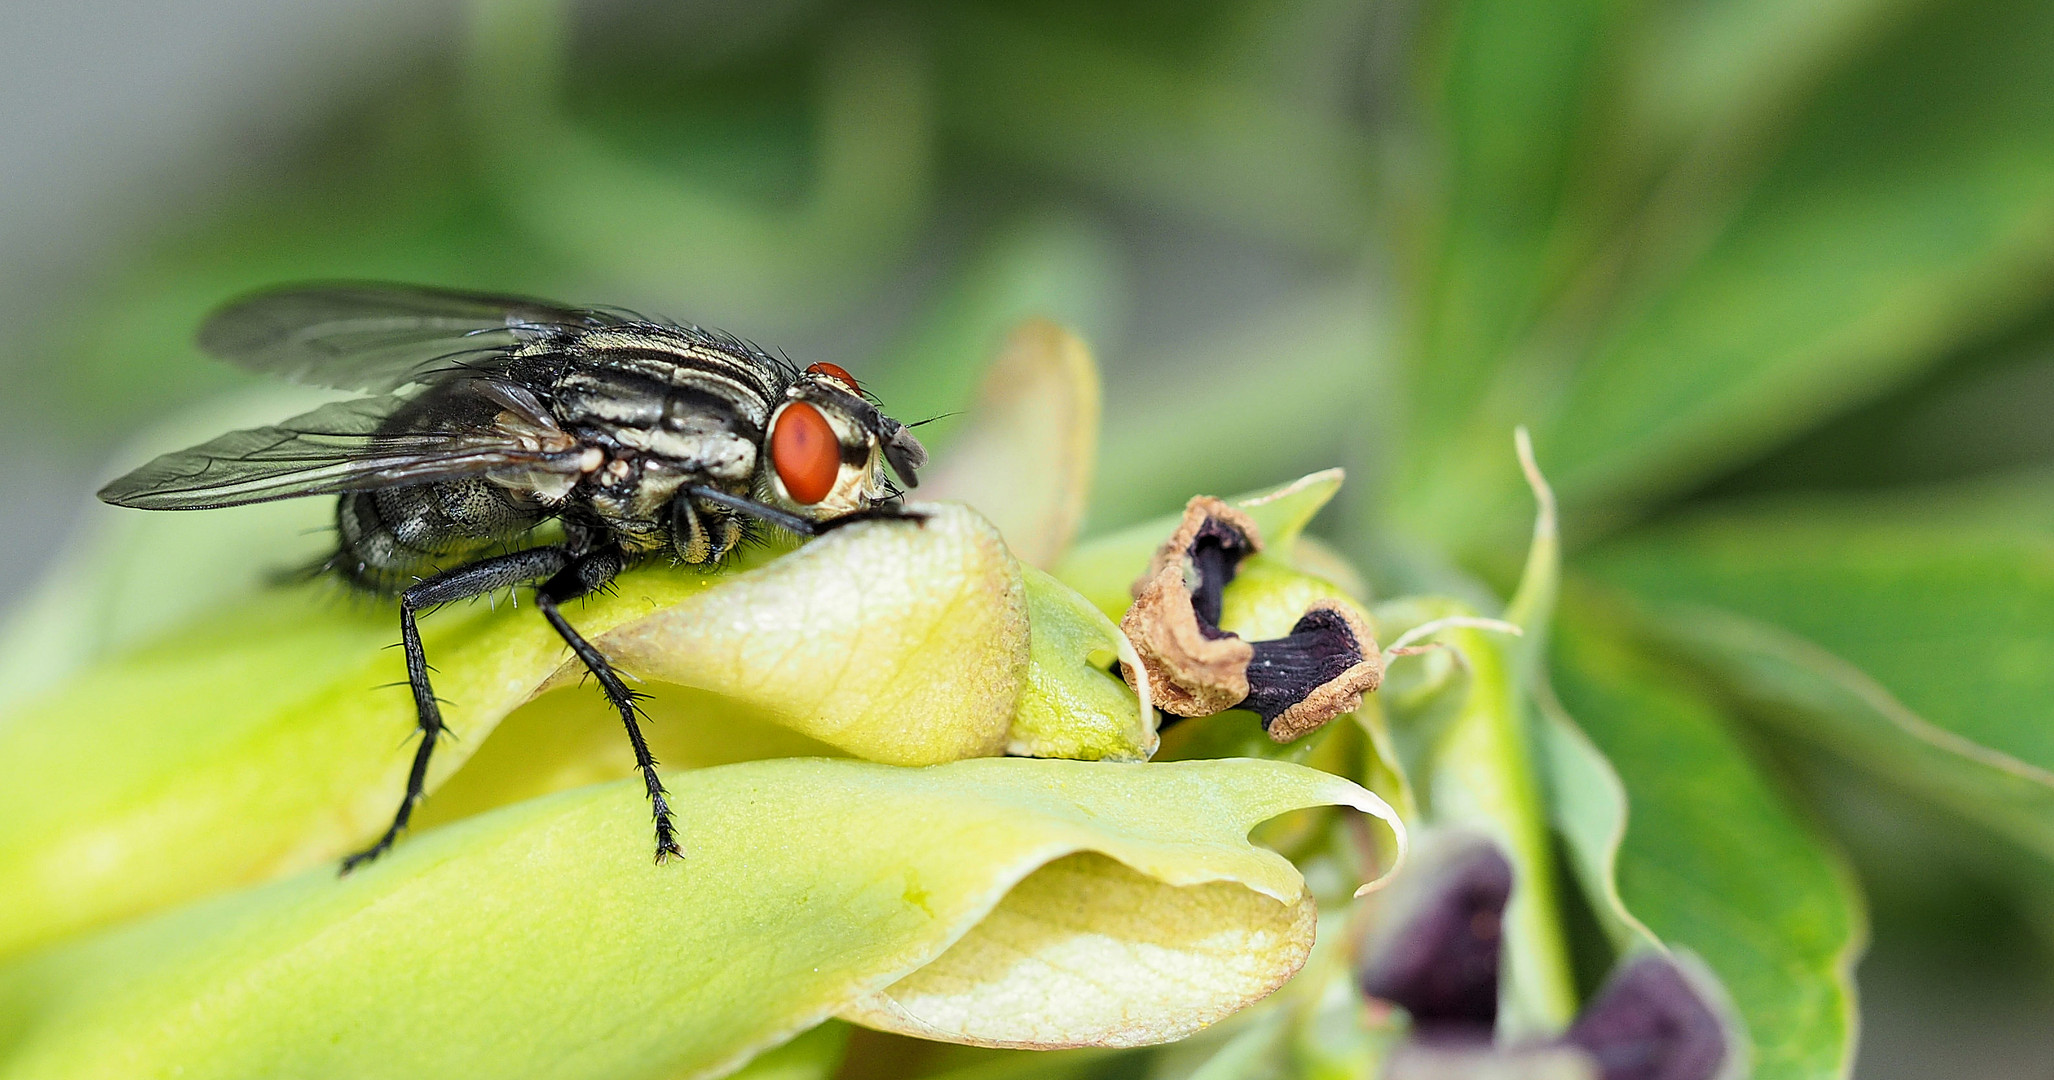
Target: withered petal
x=1320 y=670
x=1212 y=539
x=1295 y=683
x=1191 y=672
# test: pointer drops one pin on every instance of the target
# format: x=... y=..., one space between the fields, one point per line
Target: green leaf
x=904 y=644
x=1089 y=952
x=1587 y=803
x=1712 y=78
x=1070 y=706
x=1587 y=806
x=633 y=219
x=815 y=1055
x=1909 y=209
x=1713 y=859
x=1510 y=82
x=1313 y=1029
x=1297 y=382
x=1187 y=141
x=565 y=739
x=259 y=740
x=1977 y=418
x=1913 y=207
x=128 y=577
x=1462 y=722
x=1908 y=633
x=946 y=896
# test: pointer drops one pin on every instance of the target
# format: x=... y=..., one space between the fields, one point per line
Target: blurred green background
x=1772 y=282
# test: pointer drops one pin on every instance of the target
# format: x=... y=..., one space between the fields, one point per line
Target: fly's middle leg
x=591 y=572
x=462 y=583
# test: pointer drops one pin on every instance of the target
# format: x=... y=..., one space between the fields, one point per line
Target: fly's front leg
x=880 y=512
x=462 y=583
x=583 y=576
x=804 y=526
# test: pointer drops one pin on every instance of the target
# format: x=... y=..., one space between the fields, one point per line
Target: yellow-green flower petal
x=1090 y=952
x=1072 y=705
x=539 y=940
x=260 y=741
x=559 y=741
x=899 y=643
x=1030 y=443
x=1268 y=596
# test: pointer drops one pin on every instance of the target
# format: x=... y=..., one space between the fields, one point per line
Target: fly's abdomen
x=391 y=537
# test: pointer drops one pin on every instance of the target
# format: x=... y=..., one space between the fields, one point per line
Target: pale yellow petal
x=1029 y=444
x=896 y=642
x=1086 y=952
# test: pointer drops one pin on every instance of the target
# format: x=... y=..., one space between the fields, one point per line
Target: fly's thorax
x=661 y=407
x=679 y=357
x=669 y=412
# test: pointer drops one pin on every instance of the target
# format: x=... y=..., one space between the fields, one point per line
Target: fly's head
x=828 y=448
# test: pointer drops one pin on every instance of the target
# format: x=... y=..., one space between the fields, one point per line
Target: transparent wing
x=377 y=337
x=338 y=448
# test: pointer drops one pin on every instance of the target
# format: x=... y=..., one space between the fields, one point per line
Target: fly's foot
x=369 y=854
x=666 y=831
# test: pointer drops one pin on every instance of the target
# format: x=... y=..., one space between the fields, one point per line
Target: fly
x=487 y=416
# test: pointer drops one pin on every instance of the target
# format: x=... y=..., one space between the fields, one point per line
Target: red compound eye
x=805 y=453
x=835 y=371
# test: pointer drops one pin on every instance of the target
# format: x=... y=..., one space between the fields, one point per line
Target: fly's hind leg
x=462 y=583
x=591 y=572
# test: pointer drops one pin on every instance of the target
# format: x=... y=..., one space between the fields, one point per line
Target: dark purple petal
x=1441 y=963
x=1650 y=1022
